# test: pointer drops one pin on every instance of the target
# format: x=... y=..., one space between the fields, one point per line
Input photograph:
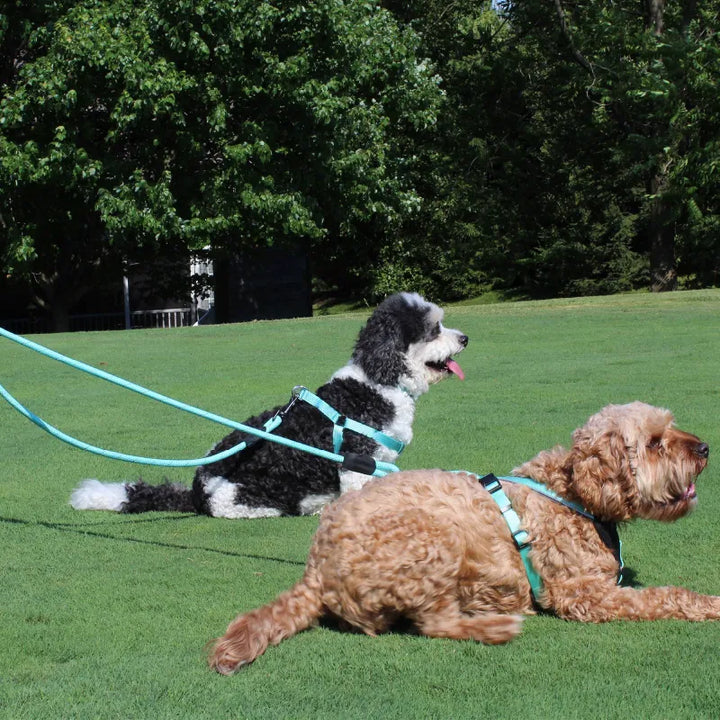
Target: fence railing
x=168 y=318
x=173 y=317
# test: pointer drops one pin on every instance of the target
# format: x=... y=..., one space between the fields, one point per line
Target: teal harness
x=341 y=423
x=606 y=530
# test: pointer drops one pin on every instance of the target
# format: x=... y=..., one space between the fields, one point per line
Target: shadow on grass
x=629 y=578
x=82 y=529
x=629 y=575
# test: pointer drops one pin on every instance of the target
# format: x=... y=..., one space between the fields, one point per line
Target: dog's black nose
x=464 y=340
x=702 y=449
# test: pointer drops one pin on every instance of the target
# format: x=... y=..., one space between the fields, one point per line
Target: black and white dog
x=401 y=351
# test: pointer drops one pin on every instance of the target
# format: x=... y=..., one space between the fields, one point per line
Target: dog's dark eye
x=655 y=443
x=434 y=331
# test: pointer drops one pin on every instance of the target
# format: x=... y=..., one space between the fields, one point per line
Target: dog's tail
x=134 y=497
x=249 y=635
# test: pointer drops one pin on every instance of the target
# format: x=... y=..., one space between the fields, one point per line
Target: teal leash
x=350 y=461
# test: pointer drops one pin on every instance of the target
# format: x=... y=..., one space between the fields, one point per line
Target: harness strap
x=519 y=536
x=341 y=423
x=606 y=530
x=609 y=535
x=548 y=493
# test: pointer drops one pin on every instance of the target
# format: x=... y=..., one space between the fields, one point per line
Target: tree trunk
x=662 y=259
x=57 y=294
x=655 y=10
x=60 y=314
x=663 y=270
x=661 y=231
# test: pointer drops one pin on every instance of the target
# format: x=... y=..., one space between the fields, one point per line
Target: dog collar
x=606 y=530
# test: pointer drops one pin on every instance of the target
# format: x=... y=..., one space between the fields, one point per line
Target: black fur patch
x=142 y=497
x=273 y=475
x=381 y=346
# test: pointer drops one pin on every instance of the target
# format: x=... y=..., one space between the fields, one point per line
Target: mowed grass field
x=108 y=616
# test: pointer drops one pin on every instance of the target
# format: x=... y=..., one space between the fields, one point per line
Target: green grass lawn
x=105 y=616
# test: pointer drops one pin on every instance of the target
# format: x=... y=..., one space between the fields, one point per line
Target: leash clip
x=294 y=397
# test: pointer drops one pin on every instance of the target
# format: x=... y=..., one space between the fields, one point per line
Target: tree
x=448 y=249
x=577 y=149
x=131 y=126
x=641 y=121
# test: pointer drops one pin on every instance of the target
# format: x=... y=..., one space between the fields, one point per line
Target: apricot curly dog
x=432 y=547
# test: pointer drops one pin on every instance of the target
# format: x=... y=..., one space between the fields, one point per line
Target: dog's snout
x=463 y=340
x=702 y=450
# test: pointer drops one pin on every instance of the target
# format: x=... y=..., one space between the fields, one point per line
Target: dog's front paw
x=488 y=628
x=497 y=629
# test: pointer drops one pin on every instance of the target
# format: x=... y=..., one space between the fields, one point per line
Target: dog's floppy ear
x=601 y=474
x=382 y=343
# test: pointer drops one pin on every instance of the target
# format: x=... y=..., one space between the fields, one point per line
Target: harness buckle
x=522 y=539
x=491 y=483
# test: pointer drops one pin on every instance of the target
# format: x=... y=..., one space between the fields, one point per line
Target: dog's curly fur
x=431 y=547
x=402 y=349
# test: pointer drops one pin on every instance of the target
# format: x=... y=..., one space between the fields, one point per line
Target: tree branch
x=576 y=54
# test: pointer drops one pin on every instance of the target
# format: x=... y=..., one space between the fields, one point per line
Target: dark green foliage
x=577 y=153
x=136 y=123
x=542 y=149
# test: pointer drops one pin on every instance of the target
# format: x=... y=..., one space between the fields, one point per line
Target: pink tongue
x=453 y=367
x=690 y=491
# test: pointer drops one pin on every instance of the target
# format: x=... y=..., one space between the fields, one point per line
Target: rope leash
x=350 y=461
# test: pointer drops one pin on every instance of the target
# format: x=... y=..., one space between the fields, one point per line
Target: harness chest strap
x=341 y=423
x=520 y=536
x=606 y=530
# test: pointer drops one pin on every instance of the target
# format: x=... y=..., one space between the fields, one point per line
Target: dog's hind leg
x=484 y=627
x=249 y=635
